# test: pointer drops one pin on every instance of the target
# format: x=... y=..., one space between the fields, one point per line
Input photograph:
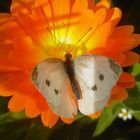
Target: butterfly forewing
x=96 y=75
x=52 y=81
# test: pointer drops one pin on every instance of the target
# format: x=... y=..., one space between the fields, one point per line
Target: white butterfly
x=90 y=78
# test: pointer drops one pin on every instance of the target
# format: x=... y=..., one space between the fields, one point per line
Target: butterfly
x=84 y=83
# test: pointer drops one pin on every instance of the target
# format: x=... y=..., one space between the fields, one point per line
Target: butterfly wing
x=52 y=81
x=96 y=75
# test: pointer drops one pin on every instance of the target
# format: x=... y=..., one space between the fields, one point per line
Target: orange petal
x=4 y=18
x=41 y=102
x=118 y=57
x=4 y=76
x=9 y=28
x=116 y=16
x=36 y=102
x=120 y=43
x=57 y=11
x=128 y=85
x=100 y=36
x=67 y=121
x=31 y=109
x=79 y=6
x=98 y=19
x=119 y=93
x=122 y=31
x=6 y=93
x=103 y=4
x=130 y=58
x=5 y=63
x=17 y=103
x=91 y=4
x=58 y=6
x=126 y=77
x=49 y=119
x=96 y=115
x=82 y=28
x=24 y=61
x=27 y=88
x=126 y=80
x=9 y=85
x=23 y=6
x=137 y=40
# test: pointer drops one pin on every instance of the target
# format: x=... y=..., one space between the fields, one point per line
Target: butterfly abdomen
x=71 y=74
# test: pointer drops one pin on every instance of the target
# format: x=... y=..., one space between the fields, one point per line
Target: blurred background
x=15 y=126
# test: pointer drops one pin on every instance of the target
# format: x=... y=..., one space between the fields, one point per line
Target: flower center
x=125 y=114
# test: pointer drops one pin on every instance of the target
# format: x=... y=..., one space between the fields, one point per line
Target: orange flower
x=39 y=29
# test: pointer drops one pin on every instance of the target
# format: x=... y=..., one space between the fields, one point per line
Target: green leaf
x=108 y=116
x=133 y=102
x=3 y=105
x=136 y=69
x=11 y=117
x=37 y=131
x=136 y=115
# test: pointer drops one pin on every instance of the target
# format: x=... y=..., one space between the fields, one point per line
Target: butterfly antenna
x=82 y=37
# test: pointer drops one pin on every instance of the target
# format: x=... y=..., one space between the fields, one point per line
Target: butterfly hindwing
x=51 y=80
x=96 y=75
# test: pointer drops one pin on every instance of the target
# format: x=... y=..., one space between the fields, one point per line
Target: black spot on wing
x=48 y=83
x=56 y=91
x=94 y=88
x=101 y=77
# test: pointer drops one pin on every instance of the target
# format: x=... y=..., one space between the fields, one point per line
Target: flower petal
x=116 y=16
x=79 y=6
x=23 y=6
x=31 y=108
x=98 y=19
x=67 y=121
x=9 y=85
x=130 y=58
x=5 y=63
x=126 y=80
x=17 y=103
x=126 y=77
x=49 y=119
x=137 y=40
x=103 y=4
x=122 y=31
x=118 y=57
x=91 y=4
x=100 y=36
x=119 y=93
x=83 y=26
x=96 y=115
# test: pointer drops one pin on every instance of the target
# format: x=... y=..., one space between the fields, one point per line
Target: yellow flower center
x=125 y=114
x=62 y=45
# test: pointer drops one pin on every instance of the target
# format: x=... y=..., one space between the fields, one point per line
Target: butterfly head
x=68 y=56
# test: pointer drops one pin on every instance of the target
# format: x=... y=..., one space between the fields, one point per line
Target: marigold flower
x=39 y=29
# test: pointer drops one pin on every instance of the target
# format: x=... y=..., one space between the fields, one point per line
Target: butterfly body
x=90 y=78
x=69 y=65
